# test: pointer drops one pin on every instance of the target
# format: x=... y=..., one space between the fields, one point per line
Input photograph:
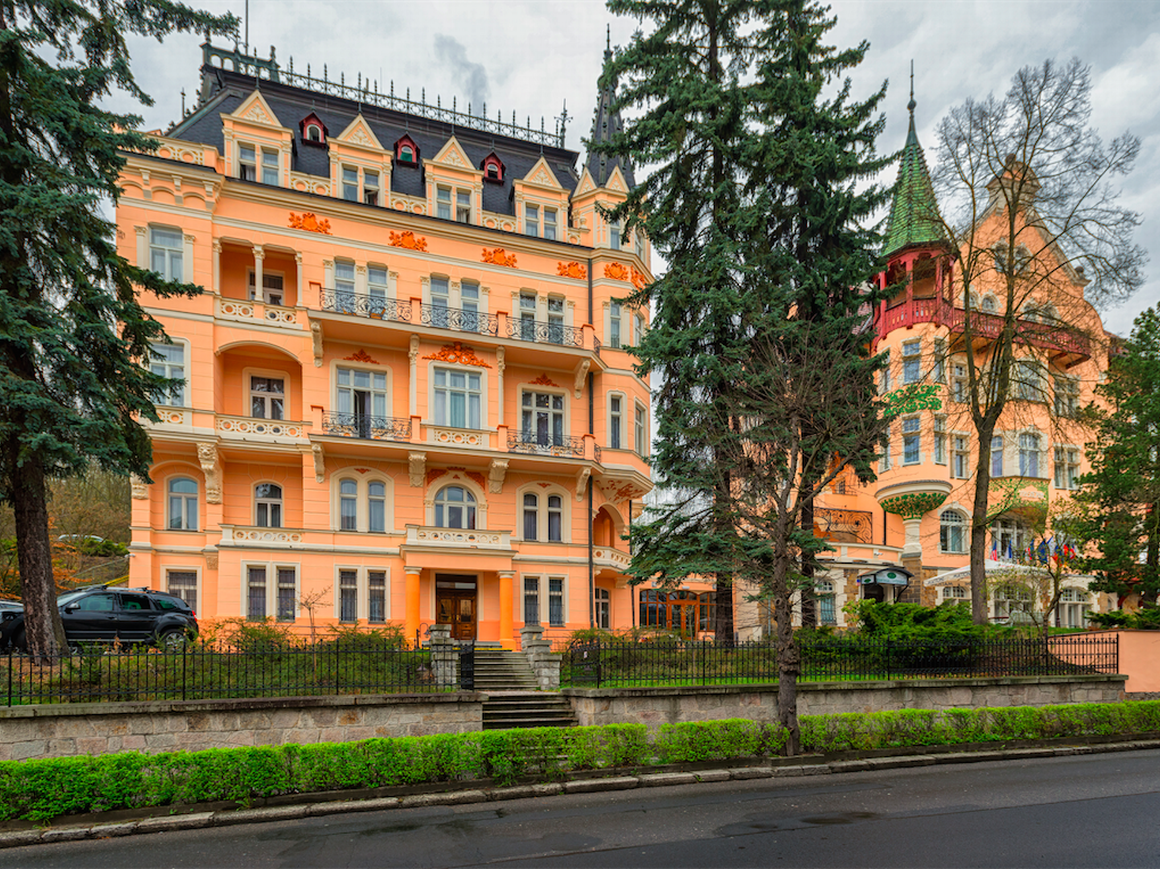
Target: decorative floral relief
x=571 y=270
x=616 y=271
x=499 y=257
x=544 y=380
x=434 y=474
x=913 y=505
x=911 y=399
x=310 y=222
x=361 y=355
x=458 y=353
x=638 y=279
x=406 y=238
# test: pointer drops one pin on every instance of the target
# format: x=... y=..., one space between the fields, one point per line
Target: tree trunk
x=808 y=599
x=42 y=625
x=1152 y=552
x=788 y=663
x=979 y=512
x=723 y=627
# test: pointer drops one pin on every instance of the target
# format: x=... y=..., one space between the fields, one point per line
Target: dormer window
x=493 y=168
x=313 y=130
x=406 y=151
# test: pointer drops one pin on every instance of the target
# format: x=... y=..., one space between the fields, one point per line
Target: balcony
x=843 y=526
x=563 y=446
x=257 y=428
x=458 y=538
x=251 y=535
x=459 y=320
x=549 y=333
x=249 y=311
x=610 y=558
x=375 y=428
x=363 y=305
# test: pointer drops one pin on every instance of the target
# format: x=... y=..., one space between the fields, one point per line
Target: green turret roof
x=914 y=219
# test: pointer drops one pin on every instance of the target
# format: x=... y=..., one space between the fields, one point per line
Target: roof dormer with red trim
x=406 y=151
x=313 y=131
x=493 y=168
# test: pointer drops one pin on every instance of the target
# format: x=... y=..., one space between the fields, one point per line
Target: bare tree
x=1029 y=192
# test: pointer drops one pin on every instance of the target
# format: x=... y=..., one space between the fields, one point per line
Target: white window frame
x=940 y=439
x=945 y=543
x=171 y=368
x=248 y=375
x=267 y=290
x=185 y=499
x=458 y=369
x=915 y=425
x=171 y=569
x=602 y=607
x=1027 y=383
x=563 y=413
x=1066 y=460
x=1031 y=451
x=174 y=256
x=271 y=588
x=912 y=361
x=337 y=367
x=475 y=502
x=543 y=513
x=563 y=580
x=362 y=498
x=640 y=438
x=962 y=472
x=1066 y=396
x=616 y=420
x=539 y=595
x=269 y=503
x=550 y=223
x=532 y=219
x=997 y=457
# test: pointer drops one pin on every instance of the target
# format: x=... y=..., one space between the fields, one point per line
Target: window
x=1066 y=397
x=637 y=329
x=344 y=283
x=378 y=285
x=997 y=456
x=443 y=202
x=556 y=319
x=313 y=133
x=885 y=460
x=1009 y=537
x=287 y=593
x=603 y=608
x=183 y=504
x=1066 y=468
x=959 y=382
x=463 y=206
x=1003 y=261
x=362 y=398
x=348 y=505
x=406 y=151
x=614 y=233
x=183 y=584
x=270 y=167
x=542 y=418
x=493 y=169
x=555 y=518
x=952 y=532
x=954 y=592
x=824 y=594
x=550 y=224
x=457 y=398
x=556 y=602
x=940 y=360
x=370 y=188
x=267 y=397
x=256 y=593
x=989 y=305
x=407 y=154
x=615 y=422
x=940 y=440
x=376 y=596
x=531 y=516
x=348 y=595
x=528 y=316
x=271 y=287
x=350 y=183
x=169 y=361
x=911 y=362
x=911 y=454
x=376 y=506
x=614 y=326
x=440 y=301
x=1028 y=382
x=268 y=505
x=1029 y=455
x=531 y=600
x=639 y=440
x=532 y=219
x=960 y=466
x=885 y=375
x=470 y=320
x=165 y=251
x=543 y=525
x=454 y=508
x=247 y=163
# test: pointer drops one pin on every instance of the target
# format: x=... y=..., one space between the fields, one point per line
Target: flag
x=1041 y=552
x=1010 y=551
x=994 y=549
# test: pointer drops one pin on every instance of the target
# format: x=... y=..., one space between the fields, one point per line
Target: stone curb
x=197 y=820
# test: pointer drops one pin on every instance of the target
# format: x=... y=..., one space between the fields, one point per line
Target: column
x=259 y=256
x=411 y=597
x=500 y=364
x=217 y=267
x=505 y=609
x=301 y=281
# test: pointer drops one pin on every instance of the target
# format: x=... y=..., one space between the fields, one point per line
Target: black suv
x=105 y=615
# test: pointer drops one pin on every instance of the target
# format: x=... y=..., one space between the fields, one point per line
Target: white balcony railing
x=605 y=556
x=459 y=538
x=254 y=535
x=246 y=310
x=254 y=428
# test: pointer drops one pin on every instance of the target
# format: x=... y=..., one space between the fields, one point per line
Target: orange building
x=407 y=396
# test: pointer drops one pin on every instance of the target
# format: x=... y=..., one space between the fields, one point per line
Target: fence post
x=184 y=667
x=598 y=665
x=10 y=677
x=704 y=652
x=887 y=657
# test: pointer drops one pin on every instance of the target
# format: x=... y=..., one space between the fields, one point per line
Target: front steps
x=513 y=696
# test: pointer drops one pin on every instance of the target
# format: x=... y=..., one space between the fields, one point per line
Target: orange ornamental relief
x=544 y=380
x=571 y=270
x=434 y=474
x=310 y=222
x=499 y=257
x=458 y=353
x=615 y=271
x=362 y=356
x=407 y=239
x=638 y=279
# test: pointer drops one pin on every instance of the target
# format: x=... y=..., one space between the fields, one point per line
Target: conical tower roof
x=604 y=125
x=914 y=217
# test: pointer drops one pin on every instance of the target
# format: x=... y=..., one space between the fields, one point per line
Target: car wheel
x=173 y=640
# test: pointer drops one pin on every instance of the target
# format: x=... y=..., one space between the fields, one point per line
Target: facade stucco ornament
x=582 y=482
x=211 y=466
x=413 y=353
x=316 y=339
x=319 y=462
x=581 y=373
x=496 y=472
x=499 y=363
x=417 y=468
x=140 y=488
x=913 y=505
x=211 y=558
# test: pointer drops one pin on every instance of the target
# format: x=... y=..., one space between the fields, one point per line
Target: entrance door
x=455 y=604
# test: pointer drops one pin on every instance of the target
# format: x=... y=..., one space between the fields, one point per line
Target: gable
x=256 y=110
x=452 y=154
x=616 y=180
x=542 y=176
x=359 y=132
x=586 y=185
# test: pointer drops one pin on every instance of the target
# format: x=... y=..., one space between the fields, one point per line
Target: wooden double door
x=457 y=604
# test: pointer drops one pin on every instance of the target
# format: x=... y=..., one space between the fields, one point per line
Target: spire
x=914 y=210
x=606 y=123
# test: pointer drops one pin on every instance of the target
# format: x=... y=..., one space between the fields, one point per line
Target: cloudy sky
x=533 y=56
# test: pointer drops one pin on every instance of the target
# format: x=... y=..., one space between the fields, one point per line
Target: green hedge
x=39 y=790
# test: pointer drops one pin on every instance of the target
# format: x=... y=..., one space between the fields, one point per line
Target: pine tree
x=72 y=333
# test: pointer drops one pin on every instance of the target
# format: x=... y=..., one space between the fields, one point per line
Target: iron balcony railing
x=459 y=320
x=844 y=526
x=357 y=425
x=545 y=333
x=363 y=305
x=545 y=444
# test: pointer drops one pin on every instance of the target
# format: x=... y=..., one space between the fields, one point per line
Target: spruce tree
x=73 y=335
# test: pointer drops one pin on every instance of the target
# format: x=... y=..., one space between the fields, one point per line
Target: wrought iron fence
x=458 y=319
x=357 y=425
x=105 y=673
x=362 y=305
x=545 y=333
x=545 y=445
x=667 y=660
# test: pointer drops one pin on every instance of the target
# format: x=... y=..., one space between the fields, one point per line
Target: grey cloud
x=472 y=77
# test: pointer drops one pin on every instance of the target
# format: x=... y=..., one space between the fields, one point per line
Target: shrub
x=1141 y=620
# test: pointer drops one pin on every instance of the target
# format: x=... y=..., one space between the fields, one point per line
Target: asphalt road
x=1093 y=810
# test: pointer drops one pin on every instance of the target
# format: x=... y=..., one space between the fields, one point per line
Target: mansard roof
x=914 y=216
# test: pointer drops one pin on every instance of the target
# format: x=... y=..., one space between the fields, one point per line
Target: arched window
x=406 y=151
x=531 y=515
x=376 y=506
x=407 y=154
x=183 y=504
x=952 y=532
x=555 y=518
x=268 y=505
x=313 y=133
x=454 y=508
x=989 y=304
x=348 y=505
x=543 y=518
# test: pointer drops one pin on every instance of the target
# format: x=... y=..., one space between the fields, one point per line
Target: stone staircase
x=513 y=698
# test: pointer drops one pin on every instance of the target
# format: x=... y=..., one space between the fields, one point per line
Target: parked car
x=100 y=614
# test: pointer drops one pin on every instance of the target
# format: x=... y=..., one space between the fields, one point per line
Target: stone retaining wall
x=656 y=706
x=63 y=730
